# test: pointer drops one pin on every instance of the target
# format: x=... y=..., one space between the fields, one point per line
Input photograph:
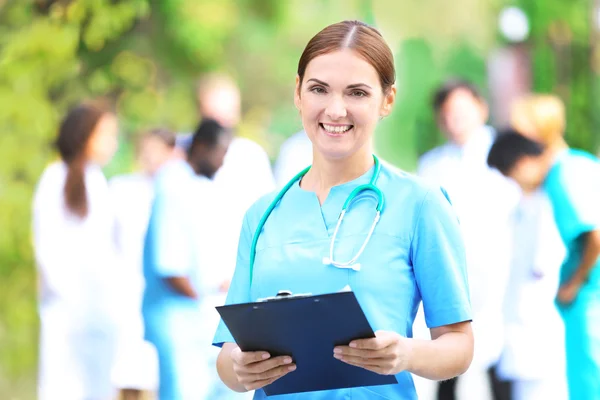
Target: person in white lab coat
x=136 y=366
x=295 y=154
x=483 y=200
x=72 y=226
x=246 y=174
x=533 y=357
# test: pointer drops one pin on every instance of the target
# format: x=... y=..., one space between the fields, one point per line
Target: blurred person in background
x=136 y=367
x=177 y=251
x=533 y=358
x=72 y=226
x=246 y=174
x=483 y=200
x=295 y=154
x=534 y=350
x=570 y=178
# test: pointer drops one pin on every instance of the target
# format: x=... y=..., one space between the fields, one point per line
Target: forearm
x=443 y=358
x=182 y=285
x=225 y=368
x=591 y=252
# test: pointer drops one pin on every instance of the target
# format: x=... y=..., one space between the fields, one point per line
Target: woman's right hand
x=255 y=370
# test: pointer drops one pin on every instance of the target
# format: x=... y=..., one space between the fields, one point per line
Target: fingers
x=349 y=351
x=274 y=373
x=378 y=369
x=263 y=366
x=255 y=370
x=380 y=341
x=244 y=358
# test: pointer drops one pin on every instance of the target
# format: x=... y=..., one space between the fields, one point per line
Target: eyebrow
x=353 y=86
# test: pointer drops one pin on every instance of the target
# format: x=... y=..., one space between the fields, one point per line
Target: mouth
x=336 y=129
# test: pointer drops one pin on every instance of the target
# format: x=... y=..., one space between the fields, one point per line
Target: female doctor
x=343 y=88
x=72 y=224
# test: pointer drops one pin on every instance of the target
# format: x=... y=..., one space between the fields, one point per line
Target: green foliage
x=146 y=55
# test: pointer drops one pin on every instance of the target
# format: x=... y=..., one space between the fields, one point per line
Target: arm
x=439 y=268
x=447 y=355
x=182 y=285
x=591 y=251
x=243 y=371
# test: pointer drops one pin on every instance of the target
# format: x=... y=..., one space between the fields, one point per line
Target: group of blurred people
x=131 y=269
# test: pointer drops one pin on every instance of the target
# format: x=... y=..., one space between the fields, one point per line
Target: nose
x=336 y=108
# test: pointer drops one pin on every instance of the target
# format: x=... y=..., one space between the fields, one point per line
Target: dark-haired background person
x=483 y=200
x=175 y=250
x=136 y=365
x=72 y=226
x=571 y=179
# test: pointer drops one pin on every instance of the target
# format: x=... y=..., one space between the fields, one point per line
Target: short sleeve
x=575 y=195
x=168 y=228
x=439 y=262
x=239 y=290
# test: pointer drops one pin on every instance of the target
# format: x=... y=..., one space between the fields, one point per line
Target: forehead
x=461 y=97
x=342 y=68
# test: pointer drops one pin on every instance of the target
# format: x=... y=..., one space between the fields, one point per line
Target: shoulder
x=405 y=184
x=244 y=148
x=52 y=176
x=432 y=157
x=258 y=208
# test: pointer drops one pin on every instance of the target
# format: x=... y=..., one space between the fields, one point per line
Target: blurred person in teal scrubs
x=174 y=254
x=571 y=179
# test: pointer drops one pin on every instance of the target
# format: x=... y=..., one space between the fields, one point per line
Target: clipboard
x=307 y=328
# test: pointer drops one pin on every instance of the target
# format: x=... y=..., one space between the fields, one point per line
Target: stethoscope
x=351 y=264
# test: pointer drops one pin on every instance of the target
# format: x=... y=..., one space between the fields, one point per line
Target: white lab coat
x=534 y=349
x=75 y=260
x=136 y=365
x=245 y=176
x=483 y=200
x=295 y=154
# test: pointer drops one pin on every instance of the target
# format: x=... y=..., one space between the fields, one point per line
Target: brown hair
x=358 y=36
x=164 y=135
x=73 y=136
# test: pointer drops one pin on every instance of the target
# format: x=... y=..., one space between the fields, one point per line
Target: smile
x=336 y=128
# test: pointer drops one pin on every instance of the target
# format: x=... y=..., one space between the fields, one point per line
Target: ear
x=388 y=102
x=485 y=110
x=297 y=93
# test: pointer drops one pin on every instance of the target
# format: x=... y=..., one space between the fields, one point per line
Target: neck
x=326 y=173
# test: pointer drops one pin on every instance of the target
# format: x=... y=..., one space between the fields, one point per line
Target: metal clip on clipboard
x=283 y=295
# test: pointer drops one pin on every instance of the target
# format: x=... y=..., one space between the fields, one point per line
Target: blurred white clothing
x=295 y=154
x=136 y=366
x=77 y=306
x=534 y=350
x=245 y=176
x=483 y=200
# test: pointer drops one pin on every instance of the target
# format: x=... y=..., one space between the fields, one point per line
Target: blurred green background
x=146 y=55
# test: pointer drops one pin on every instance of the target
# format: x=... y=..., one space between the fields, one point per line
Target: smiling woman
x=412 y=252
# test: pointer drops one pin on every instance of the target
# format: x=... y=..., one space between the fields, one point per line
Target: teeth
x=337 y=129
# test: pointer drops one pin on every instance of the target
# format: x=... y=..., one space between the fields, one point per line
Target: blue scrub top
x=416 y=253
x=573 y=186
x=169 y=249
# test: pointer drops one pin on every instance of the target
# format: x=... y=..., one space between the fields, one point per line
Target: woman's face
x=340 y=102
x=103 y=141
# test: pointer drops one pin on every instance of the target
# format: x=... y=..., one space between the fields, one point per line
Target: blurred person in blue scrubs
x=74 y=252
x=344 y=86
x=173 y=270
x=571 y=179
x=136 y=365
x=483 y=200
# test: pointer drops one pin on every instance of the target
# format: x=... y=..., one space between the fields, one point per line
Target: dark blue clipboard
x=307 y=328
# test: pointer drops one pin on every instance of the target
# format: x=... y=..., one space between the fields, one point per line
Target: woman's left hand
x=386 y=354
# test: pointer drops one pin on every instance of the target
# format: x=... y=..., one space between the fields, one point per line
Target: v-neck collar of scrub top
x=332 y=206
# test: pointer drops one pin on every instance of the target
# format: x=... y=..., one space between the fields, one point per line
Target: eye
x=318 y=90
x=358 y=93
